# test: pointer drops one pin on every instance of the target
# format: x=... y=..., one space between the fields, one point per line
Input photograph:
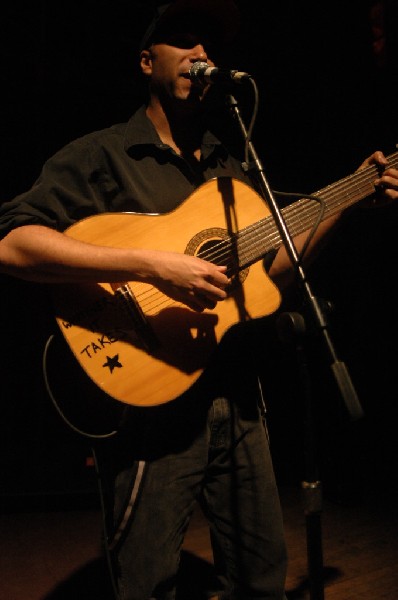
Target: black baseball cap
x=220 y=19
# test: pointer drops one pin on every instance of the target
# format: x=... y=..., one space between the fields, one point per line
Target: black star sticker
x=112 y=362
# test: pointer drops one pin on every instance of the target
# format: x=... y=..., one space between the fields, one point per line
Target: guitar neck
x=346 y=192
x=258 y=239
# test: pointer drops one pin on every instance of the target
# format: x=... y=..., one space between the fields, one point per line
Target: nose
x=198 y=53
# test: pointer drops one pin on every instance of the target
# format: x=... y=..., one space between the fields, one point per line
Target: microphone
x=201 y=72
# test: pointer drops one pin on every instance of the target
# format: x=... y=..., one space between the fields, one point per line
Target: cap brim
x=221 y=17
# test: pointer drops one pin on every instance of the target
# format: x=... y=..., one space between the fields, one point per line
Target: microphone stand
x=293 y=326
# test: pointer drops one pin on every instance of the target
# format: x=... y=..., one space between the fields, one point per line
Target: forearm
x=40 y=254
x=37 y=253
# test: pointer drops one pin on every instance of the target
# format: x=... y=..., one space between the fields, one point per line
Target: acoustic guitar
x=141 y=347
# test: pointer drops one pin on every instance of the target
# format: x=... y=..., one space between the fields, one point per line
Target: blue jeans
x=211 y=446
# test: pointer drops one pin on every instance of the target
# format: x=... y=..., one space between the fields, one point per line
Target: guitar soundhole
x=217 y=246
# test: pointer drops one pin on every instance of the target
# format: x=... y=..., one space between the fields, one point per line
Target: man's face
x=168 y=62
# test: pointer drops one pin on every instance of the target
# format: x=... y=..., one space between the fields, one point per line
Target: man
x=209 y=444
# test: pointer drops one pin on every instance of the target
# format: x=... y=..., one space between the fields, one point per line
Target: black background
x=327 y=100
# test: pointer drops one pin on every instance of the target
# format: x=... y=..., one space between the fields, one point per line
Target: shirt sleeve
x=64 y=192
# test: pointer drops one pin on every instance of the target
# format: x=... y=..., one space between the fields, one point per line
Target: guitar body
x=135 y=343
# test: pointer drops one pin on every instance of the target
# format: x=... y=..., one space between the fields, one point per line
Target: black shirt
x=124 y=168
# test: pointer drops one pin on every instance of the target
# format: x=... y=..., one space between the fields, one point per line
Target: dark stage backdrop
x=327 y=77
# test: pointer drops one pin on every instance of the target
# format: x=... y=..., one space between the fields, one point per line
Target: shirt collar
x=140 y=131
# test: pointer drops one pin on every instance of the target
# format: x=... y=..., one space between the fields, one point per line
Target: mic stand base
x=312 y=505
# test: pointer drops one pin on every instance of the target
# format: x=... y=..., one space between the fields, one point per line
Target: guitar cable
x=104 y=526
x=56 y=405
x=97 y=470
